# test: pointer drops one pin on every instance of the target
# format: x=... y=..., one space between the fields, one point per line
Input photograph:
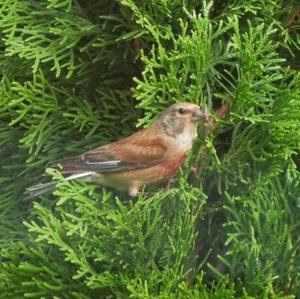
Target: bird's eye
x=181 y=110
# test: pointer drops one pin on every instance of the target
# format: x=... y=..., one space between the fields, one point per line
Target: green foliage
x=95 y=245
x=262 y=240
x=77 y=74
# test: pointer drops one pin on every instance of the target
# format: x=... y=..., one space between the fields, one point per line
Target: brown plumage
x=147 y=157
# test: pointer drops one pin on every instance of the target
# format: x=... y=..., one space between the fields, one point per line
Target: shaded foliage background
x=77 y=74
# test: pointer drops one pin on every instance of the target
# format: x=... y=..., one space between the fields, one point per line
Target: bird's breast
x=171 y=167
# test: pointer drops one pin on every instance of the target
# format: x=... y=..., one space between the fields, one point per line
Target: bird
x=147 y=157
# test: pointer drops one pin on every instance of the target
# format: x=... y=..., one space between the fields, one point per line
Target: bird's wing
x=143 y=149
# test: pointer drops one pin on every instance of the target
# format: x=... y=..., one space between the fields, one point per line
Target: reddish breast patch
x=171 y=167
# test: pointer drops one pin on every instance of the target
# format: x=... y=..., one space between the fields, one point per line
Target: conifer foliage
x=76 y=74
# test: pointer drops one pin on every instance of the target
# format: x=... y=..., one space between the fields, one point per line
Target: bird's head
x=182 y=117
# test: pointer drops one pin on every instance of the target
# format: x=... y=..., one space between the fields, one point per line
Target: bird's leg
x=133 y=190
x=170 y=183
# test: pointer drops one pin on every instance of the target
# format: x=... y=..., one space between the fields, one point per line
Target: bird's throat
x=184 y=140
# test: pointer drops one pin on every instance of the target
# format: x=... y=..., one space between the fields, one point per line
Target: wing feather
x=143 y=149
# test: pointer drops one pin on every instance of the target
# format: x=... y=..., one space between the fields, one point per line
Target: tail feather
x=35 y=191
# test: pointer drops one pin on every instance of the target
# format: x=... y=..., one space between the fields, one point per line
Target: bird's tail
x=35 y=191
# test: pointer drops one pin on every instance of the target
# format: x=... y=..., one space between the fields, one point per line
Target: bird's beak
x=199 y=115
